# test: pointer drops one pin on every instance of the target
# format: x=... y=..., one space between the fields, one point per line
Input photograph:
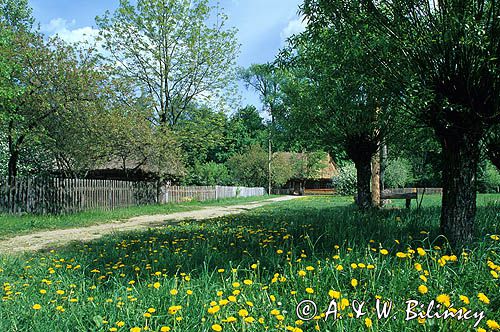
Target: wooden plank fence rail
x=42 y=195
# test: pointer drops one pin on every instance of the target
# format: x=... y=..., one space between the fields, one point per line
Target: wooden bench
x=407 y=194
x=319 y=192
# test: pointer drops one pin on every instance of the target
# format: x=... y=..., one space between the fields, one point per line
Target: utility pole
x=269 y=164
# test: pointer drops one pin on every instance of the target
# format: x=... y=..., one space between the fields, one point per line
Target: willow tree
x=337 y=89
x=177 y=52
x=445 y=57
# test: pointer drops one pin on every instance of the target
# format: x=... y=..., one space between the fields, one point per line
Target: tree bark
x=360 y=149
x=363 y=174
x=12 y=174
x=460 y=162
x=376 y=180
x=12 y=166
x=383 y=167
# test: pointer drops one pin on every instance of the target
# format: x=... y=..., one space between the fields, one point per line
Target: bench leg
x=408 y=203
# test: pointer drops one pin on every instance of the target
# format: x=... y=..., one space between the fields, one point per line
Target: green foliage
x=244 y=128
x=488 y=178
x=307 y=165
x=16 y=14
x=200 y=133
x=208 y=174
x=250 y=168
x=281 y=170
x=345 y=182
x=176 y=52
x=398 y=173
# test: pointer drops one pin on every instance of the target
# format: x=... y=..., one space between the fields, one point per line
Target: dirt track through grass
x=49 y=239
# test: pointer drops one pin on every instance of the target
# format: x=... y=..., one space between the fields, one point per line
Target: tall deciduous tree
x=445 y=56
x=50 y=81
x=176 y=51
x=347 y=99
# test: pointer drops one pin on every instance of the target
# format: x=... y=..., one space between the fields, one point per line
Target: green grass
x=198 y=276
x=11 y=225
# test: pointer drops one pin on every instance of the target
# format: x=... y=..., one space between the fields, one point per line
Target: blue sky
x=263 y=25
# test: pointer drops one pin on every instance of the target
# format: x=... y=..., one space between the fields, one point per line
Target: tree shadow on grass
x=270 y=236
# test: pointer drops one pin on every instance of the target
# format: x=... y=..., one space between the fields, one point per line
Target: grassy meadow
x=249 y=272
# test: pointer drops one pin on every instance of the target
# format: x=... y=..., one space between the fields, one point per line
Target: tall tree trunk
x=376 y=180
x=12 y=166
x=12 y=174
x=360 y=149
x=383 y=167
x=460 y=163
x=363 y=175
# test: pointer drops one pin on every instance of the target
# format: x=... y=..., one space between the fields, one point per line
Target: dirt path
x=49 y=239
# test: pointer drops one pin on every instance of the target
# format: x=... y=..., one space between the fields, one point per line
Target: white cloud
x=63 y=29
x=294 y=27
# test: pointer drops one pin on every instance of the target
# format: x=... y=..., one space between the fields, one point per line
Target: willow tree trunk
x=360 y=149
x=364 y=175
x=458 y=211
x=376 y=180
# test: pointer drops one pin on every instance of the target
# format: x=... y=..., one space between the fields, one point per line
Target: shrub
x=209 y=174
x=488 y=178
x=398 y=173
x=345 y=182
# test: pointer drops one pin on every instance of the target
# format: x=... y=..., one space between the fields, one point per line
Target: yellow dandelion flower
x=174 y=292
x=334 y=294
x=243 y=313
x=37 y=306
x=217 y=327
x=443 y=299
x=493 y=325
x=384 y=252
x=156 y=285
x=309 y=290
x=483 y=298
x=423 y=289
x=354 y=282
x=464 y=299
x=368 y=322
x=165 y=329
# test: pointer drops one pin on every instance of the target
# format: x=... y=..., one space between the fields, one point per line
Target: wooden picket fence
x=42 y=195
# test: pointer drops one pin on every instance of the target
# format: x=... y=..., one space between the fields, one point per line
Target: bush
x=209 y=174
x=488 y=178
x=345 y=182
x=398 y=173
